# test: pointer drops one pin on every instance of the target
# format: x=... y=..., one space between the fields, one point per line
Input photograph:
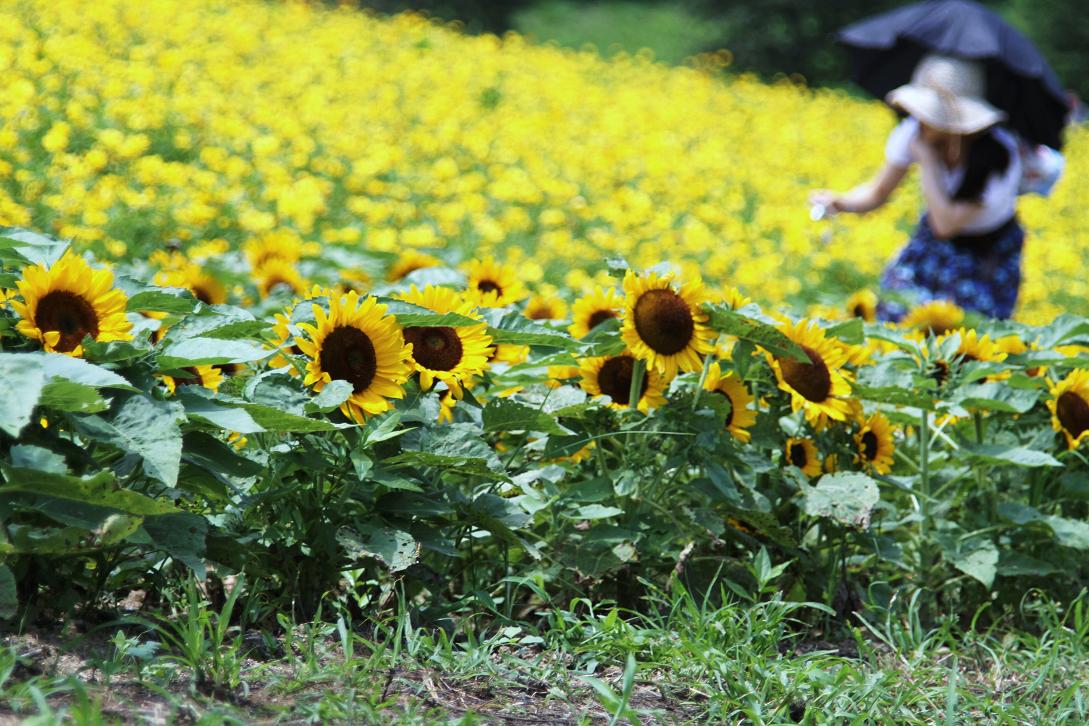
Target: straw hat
x=946 y=93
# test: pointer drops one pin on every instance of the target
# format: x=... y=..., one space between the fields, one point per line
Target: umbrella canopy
x=886 y=48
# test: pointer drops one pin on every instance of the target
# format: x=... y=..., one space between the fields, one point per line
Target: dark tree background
x=796 y=36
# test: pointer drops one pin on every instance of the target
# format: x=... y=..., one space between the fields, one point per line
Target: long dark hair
x=986 y=156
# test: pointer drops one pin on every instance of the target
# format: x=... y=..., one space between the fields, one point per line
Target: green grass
x=681 y=659
x=673 y=33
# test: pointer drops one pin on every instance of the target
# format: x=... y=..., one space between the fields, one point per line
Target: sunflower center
x=68 y=314
x=541 y=313
x=797 y=455
x=614 y=379
x=664 y=321
x=598 y=317
x=730 y=411
x=858 y=311
x=940 y=371
x=812 y=380
x=436 y=348
x=1073 y=413
x=347 y=354
x=869 y=446
x=489 y=286
x=202 y=294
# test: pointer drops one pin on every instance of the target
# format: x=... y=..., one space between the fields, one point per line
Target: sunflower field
x=370 y=310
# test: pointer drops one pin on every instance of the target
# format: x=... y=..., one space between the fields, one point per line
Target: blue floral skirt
x=982 y=274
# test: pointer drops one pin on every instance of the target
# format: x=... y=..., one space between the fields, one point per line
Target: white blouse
x=1000 y=193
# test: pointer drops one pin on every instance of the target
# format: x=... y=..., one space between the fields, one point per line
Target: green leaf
x=26 y=456
x=505 y=414
x=846 y=497
x=1070 y=532
x=976 y=557
x=594 y=511
x=498 y=515
x=332 y=395
x=1014 y=564
x=1005 y=455
x=61 y=395
x=273 y=419
x=100 y=490
x=515 y=328
x=173 y=300
x=147 y=428
x=80 y=371
x=742 y=325
x=849 y=331
x=30 y=540
x=415 y=316
x=996 y=396
x=216 y=321
x=183 y=536
x=453 y=448
x=1067 y=532
x=20 y=387
x=34 y=247
x=210 y=351
x=200 y=405
x=9 y=596
x=397 y=549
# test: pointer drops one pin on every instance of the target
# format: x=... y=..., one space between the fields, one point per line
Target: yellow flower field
x=128 y=125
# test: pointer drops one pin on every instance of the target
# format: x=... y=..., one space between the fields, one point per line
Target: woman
x=967 y=246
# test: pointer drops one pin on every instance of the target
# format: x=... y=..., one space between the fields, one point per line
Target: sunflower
x=874 y=441
x=976 y=348
x=354 y=279
x=733 y=297
x=1013 y=345
x=283 y=341
x=193 y=278
x=741 y=417
x=589 y=311
x=69 y=301
x=356 y=342
x=410 y=261
x=277 y=271
x=1069 y=406
x=546 y=306
x=863 y=304
x=558 y=375
x=276 y=245
x=817 y=387
x=447 y=401
x=611 y=376
x=492 y=284
x=935 y=317
x=449 y=354
x=802 y=453
x=509 y=353
x=664 y=326
x=208 y=376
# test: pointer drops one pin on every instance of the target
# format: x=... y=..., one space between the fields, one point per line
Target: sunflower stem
x=638 y=371
x=924 y=487
x=703 y=379
x=981 y=480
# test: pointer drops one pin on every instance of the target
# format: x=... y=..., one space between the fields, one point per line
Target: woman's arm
x=946 y=216
x=865 y=197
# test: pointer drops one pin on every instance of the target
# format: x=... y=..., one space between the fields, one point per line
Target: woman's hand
x=825 y=198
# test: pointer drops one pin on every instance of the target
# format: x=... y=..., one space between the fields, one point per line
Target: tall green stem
x=703 y=379
x=924 y=487
x=636 y=391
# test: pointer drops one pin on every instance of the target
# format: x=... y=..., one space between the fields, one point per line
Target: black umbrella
x=886 y=48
